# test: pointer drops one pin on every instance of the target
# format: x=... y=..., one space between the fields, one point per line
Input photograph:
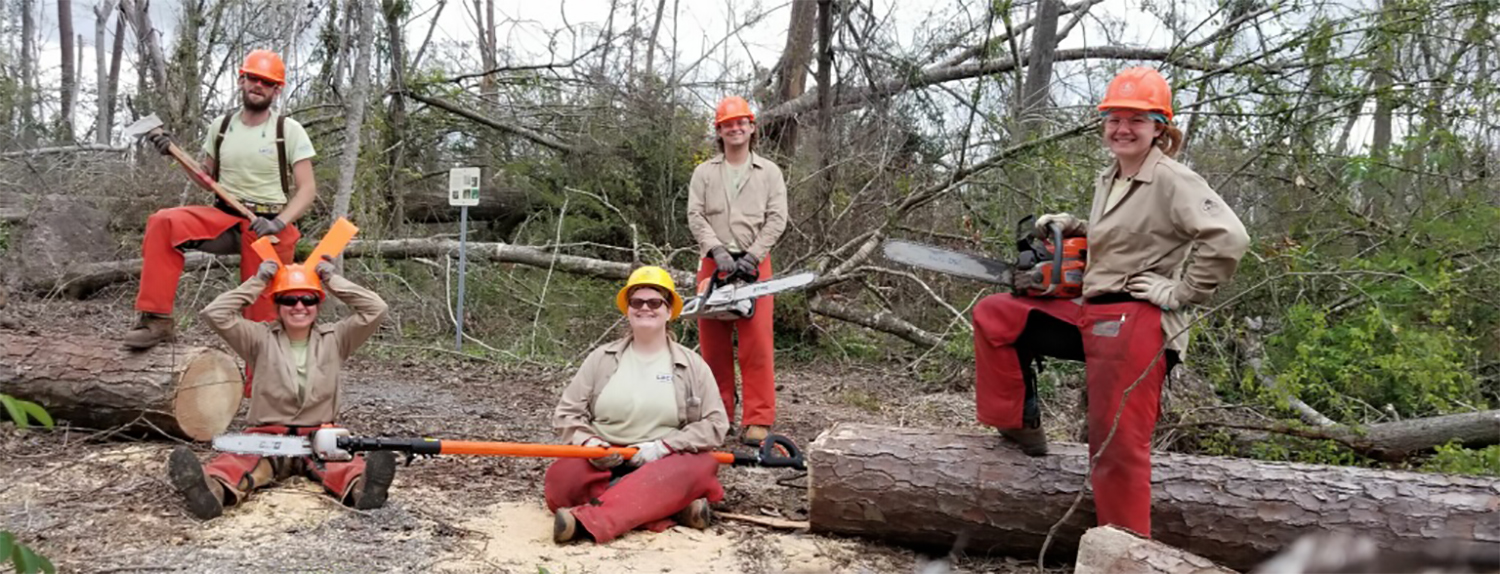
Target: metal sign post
x=463 y=191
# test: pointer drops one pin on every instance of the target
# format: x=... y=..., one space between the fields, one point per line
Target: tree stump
x=943 y=490
x=189 y=392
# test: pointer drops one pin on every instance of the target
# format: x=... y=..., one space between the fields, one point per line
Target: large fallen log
x=1392 y=441
x=190 y=392
x=945 y=490
x=84 y=279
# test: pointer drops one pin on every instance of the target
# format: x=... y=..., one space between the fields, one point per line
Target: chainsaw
x=732 y=298
x=1054 y=267
x=337 y=444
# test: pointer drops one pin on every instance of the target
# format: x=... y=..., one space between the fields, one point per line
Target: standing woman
x=643 y=391
x=737 y=211
x=1129 y=328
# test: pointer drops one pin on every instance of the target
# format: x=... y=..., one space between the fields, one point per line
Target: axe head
x=142 y=126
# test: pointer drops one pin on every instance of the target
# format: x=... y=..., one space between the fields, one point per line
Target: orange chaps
x=645 y=497
x=757 y=354
x=1120 y=342
x=167 y=232
x=246 y=473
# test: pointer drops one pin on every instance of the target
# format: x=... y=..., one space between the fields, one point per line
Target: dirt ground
x=97 y=501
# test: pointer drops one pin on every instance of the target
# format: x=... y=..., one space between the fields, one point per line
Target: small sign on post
x=463 y=191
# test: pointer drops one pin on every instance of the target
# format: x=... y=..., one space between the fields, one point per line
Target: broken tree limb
x=66 y=149
x=1254 y=355
x=1110 y=550
x=765 y=521
x=502 y=253
x=1394 y=441
x=884 y=321
x=83 y=280
x=189 y=392
x=527 y=133
x=935 y=488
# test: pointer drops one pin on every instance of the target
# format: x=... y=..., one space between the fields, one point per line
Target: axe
x=152 y=125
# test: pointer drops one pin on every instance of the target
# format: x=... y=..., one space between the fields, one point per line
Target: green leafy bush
x=26 y=560
x=1455 y=459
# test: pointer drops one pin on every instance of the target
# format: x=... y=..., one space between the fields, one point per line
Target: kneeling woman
x=648 y=392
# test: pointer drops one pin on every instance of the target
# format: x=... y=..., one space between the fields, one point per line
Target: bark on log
x=1392 y=441
x=943 y=489
x=1110 y=550
x=83 y=280
x=190 y=392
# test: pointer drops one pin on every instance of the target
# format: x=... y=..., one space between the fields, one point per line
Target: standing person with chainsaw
x=1130 y=325
x=262 y=158
x=737 y=210
x=648 y=392
x=297 y=362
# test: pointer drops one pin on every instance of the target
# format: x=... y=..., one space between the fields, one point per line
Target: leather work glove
x=603 y=462
x=162 y=141
x=267 y=270
x=1023 y=281
x=723 y=261
x=326 y=269
x=1071 y=226
x=649 y=451
x=1159 y=289
x=263 y=226
x=748 y=267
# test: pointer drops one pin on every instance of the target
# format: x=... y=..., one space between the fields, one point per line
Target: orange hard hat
x=733 y=108
x=264 y=64
x=296 y=277
x=1138 y=89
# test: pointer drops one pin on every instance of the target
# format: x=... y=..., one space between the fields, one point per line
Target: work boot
x=375 y=484
x=205 y=496
x=1033 y=442
x=150 y=331
x=697 y=515
x=564 y=526
x=755 y=434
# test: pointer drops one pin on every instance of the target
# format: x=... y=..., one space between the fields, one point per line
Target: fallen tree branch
x=502 y=253
x=527 y=133
x=1254 y=354
x=802 y=525
x=1392 y=441
x=883 y=321
x=83 y=280
x=66 y=149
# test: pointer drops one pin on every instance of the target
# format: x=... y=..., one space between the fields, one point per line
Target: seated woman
x=297 y=361
x=648 y=392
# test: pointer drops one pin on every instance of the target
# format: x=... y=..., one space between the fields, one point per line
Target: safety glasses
x=293 y=300
x=261 y=81
x=652 y=304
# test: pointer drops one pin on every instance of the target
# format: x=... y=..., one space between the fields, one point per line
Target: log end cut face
x=208 y=394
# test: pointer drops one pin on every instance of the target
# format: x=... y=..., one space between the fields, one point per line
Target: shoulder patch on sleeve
x=1212 y=207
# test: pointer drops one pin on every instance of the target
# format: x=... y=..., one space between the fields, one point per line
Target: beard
x=254 y=105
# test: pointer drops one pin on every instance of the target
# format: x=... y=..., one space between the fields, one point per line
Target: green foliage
x=1453 y=458
x=20 y=412
x=4 y=236
x=25 y=560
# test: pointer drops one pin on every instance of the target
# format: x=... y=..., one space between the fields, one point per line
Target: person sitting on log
x=261 y=157
x=648 y=392
x=297 y=361
x=1130 y=326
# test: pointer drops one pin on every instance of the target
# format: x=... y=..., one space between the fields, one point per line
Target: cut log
x=1110 y=550
x=500 y=204
x=189 y=392
x=942 y=489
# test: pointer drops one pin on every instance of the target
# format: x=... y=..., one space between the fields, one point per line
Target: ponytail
x=1170 y=141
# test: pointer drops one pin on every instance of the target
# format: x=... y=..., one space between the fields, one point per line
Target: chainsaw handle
x=1057 y=256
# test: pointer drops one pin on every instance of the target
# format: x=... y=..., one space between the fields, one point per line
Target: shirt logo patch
x=1210 y=207
x=664 y=377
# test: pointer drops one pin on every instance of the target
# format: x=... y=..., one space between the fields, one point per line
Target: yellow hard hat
x=655 y=277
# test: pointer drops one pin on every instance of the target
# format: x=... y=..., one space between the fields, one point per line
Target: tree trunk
x=395 y=132
x=944 y=489
x=112 y=88
x=354 y=108
x=69 y=75
x=661 y=8
x=792 y=74
x=80 y=281
x=151 y=50
x=504 y=204
x=1034 y=94
x=189 y=392
x=28 y=73
x=1110 y=550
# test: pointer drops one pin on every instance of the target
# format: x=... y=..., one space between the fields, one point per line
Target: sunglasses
x=261 y=81
x=293 y=300
x=652 y=304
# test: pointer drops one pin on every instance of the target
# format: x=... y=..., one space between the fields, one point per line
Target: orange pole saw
x=336 y=444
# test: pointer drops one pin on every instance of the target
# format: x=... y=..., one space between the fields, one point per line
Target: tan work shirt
x=639 y=403
x=274 y=397
x=1167 y=210
x=704 y=422
x=751 y=221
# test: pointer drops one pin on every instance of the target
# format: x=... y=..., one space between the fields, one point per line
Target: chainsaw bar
x=947 y=261
x=729 y=294
x=263 y=444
